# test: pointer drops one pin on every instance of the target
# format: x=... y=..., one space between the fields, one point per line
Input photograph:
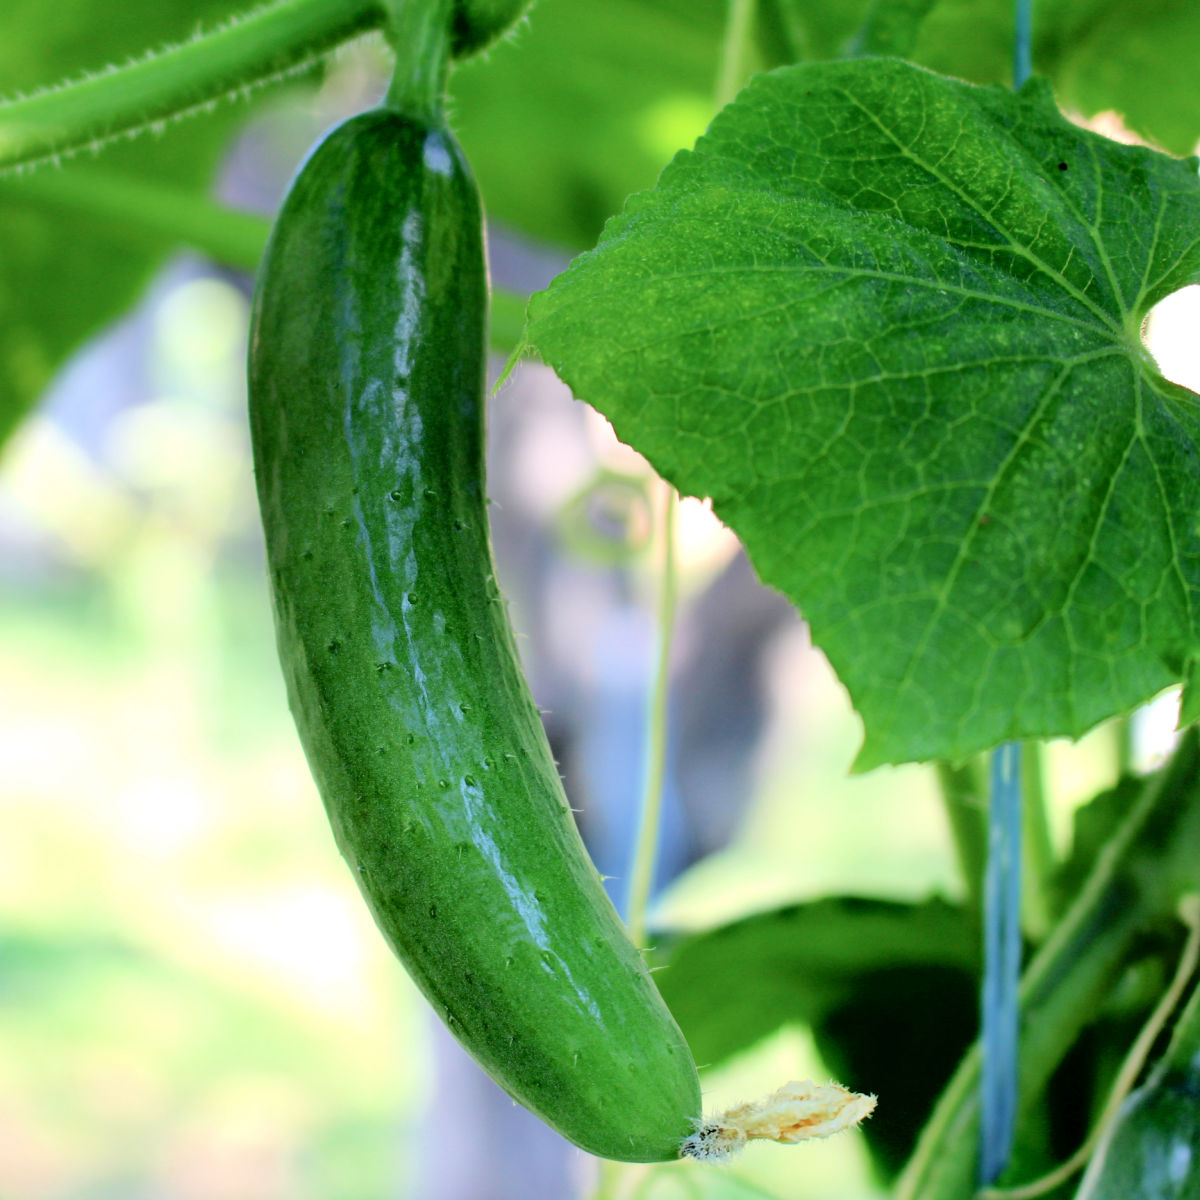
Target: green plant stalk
x=142 y=212
x=962 y=789
x=1038 y=845
x=419 y=35
x=1067 y=981
x=261 y=47
x=731 y=67
x=646 y=851
x=1121 y=732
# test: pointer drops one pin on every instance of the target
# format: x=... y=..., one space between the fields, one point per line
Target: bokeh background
x=194 y=1004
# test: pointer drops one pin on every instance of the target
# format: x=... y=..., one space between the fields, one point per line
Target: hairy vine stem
x=259 y=48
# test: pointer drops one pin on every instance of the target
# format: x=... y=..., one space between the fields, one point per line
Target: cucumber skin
x=366 y=397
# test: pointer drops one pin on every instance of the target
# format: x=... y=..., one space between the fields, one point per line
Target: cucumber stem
x=646 y=851
x=962 y=791
x=418 y=32
x=263 y=46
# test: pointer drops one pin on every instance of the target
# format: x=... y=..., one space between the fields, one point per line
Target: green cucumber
x=367 y=365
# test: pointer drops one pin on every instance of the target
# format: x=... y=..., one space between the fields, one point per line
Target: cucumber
x=366 y=395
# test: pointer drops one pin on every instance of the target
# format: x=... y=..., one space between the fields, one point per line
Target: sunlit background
x=195 y=1005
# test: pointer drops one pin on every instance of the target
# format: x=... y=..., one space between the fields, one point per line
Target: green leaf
x=66 y=269
x=583 y=106
x=732 y=986
x=889 y=323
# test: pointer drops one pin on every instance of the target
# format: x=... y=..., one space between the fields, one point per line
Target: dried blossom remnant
x=795 y=1113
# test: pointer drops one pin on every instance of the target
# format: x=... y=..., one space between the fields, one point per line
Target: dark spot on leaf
x=1062 y=166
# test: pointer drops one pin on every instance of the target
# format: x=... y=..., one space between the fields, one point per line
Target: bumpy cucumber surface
x=367 y=376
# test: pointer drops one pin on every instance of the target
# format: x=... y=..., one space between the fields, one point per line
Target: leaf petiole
x=646 y=851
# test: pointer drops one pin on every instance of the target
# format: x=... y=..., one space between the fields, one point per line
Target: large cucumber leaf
x=889 y=322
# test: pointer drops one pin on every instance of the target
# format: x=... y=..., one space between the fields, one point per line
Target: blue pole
x=1023 y=43
x=1000 y=1015
x=1000 y=1009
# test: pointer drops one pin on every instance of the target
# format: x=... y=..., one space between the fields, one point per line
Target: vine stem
x=258 y=48
x=646 y=851
x=1122 y=736
x=731 y=69
x=1038 y=844
x=139 y=212
x=962 y=789
x=419 y=35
